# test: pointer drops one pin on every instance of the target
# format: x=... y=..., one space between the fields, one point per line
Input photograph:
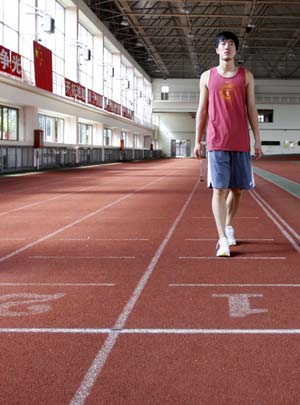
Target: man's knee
x=220 y=192
x=237 y=192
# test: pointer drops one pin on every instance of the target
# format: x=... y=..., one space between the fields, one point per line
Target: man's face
x=226 y=50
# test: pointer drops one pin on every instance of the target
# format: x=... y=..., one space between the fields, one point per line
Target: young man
x=227 y=102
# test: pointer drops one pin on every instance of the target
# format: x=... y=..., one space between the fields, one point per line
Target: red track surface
x=111 y=292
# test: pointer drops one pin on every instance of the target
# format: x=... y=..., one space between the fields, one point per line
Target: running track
x=111 y=292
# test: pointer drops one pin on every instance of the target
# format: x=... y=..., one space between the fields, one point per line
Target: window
x=164 y=93
x=123 y=138
x=85 y=134
x=9 y=22
x=107 y=136
x=54 y=41
x=289 y=144
x=8 y=124
x=271 y=143
x=125 y=85
x=265 y=115
x=85 y=55
x=53 y=128
x=108 y=73
x=147 y=141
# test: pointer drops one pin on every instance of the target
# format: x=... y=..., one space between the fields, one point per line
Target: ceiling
x=175 y=39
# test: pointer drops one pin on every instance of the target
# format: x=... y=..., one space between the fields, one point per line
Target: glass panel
x=60 y=17
x=60 y=130
x=0 y=123
x=1 y=10
x=49 y=129
x=81 y=134
x=85 y=39
x=5 y=123
x=10 y=38
x=11 y=13
x=107 y=136
x=89 y=134
x=12 y=124
x=41 y=122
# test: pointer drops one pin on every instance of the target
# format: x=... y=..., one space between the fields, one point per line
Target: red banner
x=75 y=90
x=80 y=95
x=70 y=88
x=42 y=66
x=127 y=113
x=15 y=64
x=112 y=106
x=10 y=62
x=4 y=59
x=95 y=99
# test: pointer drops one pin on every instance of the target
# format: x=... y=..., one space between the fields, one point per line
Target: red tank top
x=227 y=127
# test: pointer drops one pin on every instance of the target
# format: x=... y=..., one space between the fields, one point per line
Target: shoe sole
x=223 y=254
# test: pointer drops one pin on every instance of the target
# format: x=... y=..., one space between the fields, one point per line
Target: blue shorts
x=229 y=170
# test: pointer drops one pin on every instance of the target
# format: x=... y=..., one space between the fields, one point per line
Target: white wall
x=285 y=127
x=180 y=126
x=16 y=94
x=175 y=121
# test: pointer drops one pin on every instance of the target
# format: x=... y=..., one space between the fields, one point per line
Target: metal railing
x=193 y=97
x=27 y=158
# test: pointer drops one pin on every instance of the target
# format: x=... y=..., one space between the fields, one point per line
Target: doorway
x=181 y=148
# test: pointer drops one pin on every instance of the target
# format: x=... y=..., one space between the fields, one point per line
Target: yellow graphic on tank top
x=227 y=91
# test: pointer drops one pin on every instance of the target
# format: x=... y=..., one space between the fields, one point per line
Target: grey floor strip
x=288 y=185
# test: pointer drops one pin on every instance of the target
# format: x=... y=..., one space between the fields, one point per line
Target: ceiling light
x=250 y=25
x=185 y=8
x=124 y=22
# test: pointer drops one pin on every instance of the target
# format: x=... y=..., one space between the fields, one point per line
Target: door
x=173 y=148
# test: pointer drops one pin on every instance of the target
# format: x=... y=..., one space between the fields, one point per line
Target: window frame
x=2 y=121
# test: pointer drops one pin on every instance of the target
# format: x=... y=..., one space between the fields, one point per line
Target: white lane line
x=232 y=257
x=78 y=221
x=100 y=359
x=213 y=331
x=211 y=217
x=32 y=204
x=269 y=211
x=236 y=285
x=239 y=240
x=81 y=257
x=89 y=238
x=117 y=332
x=58 y=284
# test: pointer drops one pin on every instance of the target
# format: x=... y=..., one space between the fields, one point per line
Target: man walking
x=226 y=104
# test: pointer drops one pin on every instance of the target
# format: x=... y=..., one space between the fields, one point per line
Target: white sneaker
x=229 y=231
x=223 y=248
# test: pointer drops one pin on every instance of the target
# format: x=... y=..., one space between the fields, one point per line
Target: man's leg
x=219 y=209
x=232 y=204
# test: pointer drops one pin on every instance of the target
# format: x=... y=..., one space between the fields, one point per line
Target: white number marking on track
x=32 y=303
x=239 y=304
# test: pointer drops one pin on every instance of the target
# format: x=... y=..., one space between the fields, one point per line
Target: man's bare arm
x=252 y=113
x=202 y=113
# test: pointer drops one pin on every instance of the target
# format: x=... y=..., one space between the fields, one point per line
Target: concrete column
x=30 y=123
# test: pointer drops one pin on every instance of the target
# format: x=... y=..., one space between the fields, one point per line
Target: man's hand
x=258 y=150
x=197 y=150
